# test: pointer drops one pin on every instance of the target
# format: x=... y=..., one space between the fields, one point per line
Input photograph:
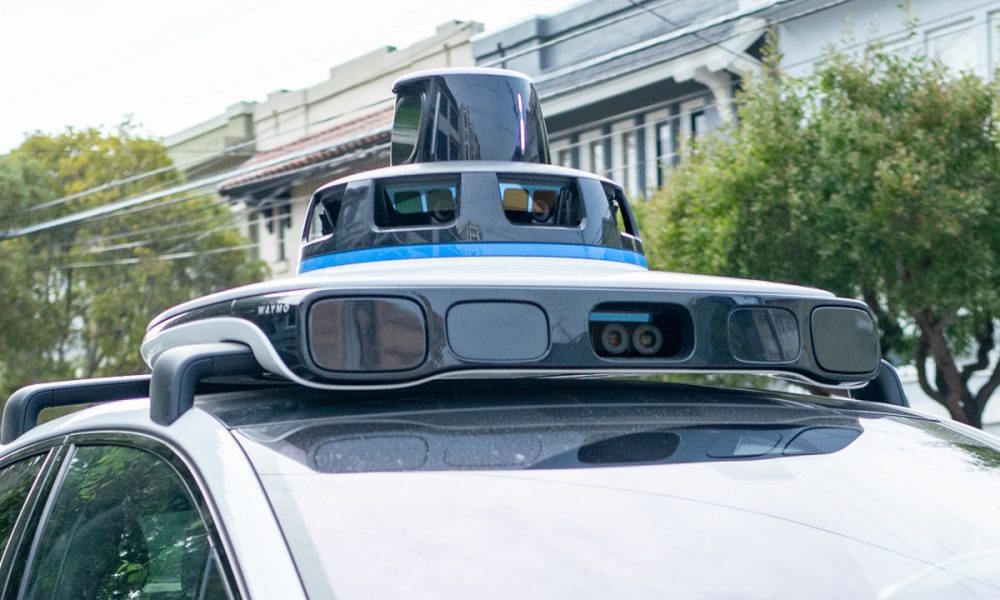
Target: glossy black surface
x=367 y=334
x=843 y=339
x=703 y=345
x=764 y=335
x=466 y=116
x=358 y=214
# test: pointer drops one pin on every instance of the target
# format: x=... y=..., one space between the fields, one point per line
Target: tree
x=83 y=294
x=876 y=177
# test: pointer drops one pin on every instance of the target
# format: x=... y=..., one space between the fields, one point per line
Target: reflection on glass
x=406 y=127
x=468 y=117
x=414 y=205
x=555 y=204
x=15 y=483
x=763 y=335
x=122 y=526
x=367 y=334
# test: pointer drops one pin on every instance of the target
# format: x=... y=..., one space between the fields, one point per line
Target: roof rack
x=171 y=388
x=885 y=388
x=178 y=371
x=20 y=414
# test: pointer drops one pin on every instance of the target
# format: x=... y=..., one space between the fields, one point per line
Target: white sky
x=173 y=64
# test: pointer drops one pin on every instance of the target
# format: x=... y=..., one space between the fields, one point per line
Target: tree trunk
x=952 y=389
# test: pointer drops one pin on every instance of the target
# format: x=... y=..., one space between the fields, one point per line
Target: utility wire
x=675 y=117
x=193 y=234
x=239 y=171
x=235 y=147
x=591 y=140
x=652 y=10
x=162 y=257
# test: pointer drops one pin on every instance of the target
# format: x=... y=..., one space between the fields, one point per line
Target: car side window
x=122 y=525
x=15 y=485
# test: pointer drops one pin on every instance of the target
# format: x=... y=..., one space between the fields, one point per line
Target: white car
x=492 y=482
x=444 y=404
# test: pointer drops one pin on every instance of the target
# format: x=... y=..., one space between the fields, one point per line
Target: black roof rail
x=178 y=371
x=885 y=388
x=20 y=414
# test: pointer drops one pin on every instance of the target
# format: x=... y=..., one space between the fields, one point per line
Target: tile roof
x=366 y=131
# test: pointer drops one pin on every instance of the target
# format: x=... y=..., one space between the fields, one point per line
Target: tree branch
x=985 y=341
x=956 y=397
x=925 y=384
x=991 y=385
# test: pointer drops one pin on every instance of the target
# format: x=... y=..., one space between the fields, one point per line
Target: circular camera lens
x=614 y=338
x=541 y=211
x=442 y=215
x=647 y=339
x=442 y=209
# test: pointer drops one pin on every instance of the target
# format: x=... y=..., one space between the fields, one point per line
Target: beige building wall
x=352 y=89
x=358 y=85
x=219 y=143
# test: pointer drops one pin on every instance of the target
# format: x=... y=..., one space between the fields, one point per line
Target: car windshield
x=610 y=490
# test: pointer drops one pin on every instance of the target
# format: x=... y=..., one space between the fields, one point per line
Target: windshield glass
x=645 y=493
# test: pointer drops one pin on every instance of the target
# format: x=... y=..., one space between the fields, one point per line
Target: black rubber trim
x=178 y=371
x=885 y=388
x=22 y=409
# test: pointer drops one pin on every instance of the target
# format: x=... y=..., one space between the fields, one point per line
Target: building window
x=284 y=218
x=665 y=149
x=565 y=158
x=699 y=123
x=599 y=158
x=994 y=32
x=632 y=165
x=956 y=46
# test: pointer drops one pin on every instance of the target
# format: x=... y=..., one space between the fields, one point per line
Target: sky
x=169 y=65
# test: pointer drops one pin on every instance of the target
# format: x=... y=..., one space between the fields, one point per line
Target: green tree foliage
x=77 y=298
x=877 y=177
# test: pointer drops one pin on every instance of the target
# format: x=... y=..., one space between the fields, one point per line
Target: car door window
x=15 y=484
x=122 y=525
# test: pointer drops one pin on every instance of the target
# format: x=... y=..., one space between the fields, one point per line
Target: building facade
x=268 y=157
x=625 y=85
x=962 y=34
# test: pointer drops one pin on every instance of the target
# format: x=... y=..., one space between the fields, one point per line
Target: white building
x=280 y=150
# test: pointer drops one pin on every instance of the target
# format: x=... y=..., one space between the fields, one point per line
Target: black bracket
x=178 y=370
x=885 y=388
x=20 y=414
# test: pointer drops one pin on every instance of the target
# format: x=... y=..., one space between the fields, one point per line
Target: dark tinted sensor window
x=15 y=483
x=405 y=127
x=556 y=204
x=416 y=205
x=325 y=213
x=122 y=525
x=761 y=334
x=618 y=208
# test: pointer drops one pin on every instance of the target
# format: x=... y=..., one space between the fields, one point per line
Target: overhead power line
x=207 y=181
x=236 y=147
x=116 y=206
x=162 y=257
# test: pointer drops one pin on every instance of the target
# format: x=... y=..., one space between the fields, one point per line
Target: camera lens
x=647 y=339
x=614 y=338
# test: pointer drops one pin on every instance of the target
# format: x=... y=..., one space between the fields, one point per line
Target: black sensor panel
x=641 y=330
x=367 y=334
x=845 y=340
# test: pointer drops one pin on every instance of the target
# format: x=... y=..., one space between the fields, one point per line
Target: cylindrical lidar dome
x=467 y=114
